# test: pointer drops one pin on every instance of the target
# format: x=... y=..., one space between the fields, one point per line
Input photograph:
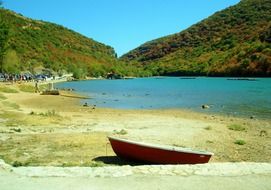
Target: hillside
x=232 y=42
x=26 y=44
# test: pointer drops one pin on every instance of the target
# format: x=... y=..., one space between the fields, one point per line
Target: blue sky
x=122 y=24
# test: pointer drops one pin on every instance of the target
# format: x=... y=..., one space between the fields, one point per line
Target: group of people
x=16 y=77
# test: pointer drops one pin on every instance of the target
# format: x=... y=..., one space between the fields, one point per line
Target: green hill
x=232 y=42
x=26 y=44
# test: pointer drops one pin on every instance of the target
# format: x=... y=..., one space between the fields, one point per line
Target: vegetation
x=49 y=113
x=17 y=130
x=55 y=149
x=240 y=142
x=26 y=88
x=232 y=42
x=84 y=164
x=11 y=105
x=27 y=44
x=2 y=97
x=208 y=128
x=18 y=164
x=7 y=89
x=121 y=132
x=209 y=141
x=236 y=127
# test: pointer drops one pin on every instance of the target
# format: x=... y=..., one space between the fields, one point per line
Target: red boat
x=157 y=154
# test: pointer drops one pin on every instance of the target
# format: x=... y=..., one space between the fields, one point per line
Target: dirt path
x=227 y=176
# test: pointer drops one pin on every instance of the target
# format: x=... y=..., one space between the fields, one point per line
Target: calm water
x=232 y=97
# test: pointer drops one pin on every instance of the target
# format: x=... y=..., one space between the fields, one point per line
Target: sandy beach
x=46 y=130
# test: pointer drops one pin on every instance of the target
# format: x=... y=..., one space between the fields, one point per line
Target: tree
x=79 y=72
x=10 y=63
x=4 y=35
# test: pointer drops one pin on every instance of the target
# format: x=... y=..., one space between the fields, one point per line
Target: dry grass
x=236 y=127
x=26 y=88
x=49 y=113
x=6 y=89
x=2 y=97
x=46 y=120
x=11 y=105
x=55 y=149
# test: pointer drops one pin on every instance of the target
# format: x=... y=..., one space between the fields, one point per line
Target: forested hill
x=27 y=44
x=232 y=42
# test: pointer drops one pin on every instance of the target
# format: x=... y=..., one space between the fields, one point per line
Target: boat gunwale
x=163 y=147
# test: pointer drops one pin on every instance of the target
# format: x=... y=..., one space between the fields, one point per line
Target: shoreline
x=129 y=101
x=59 y=131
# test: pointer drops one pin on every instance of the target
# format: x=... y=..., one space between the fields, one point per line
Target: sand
x=45 y=130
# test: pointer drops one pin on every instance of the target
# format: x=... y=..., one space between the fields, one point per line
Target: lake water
x=224 y=96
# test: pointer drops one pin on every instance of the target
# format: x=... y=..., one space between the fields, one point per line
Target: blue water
x=231 y=97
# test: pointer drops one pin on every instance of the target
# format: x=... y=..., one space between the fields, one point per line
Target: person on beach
x=37 y=90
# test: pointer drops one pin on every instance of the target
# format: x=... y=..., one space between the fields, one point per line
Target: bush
x=10 y=63
x=121 y=132
x=208 y=128
x=236 y=127
x=50 y=113
x=17 y=164
x=32 y=113
x=239 y=142
x=18 y=130
x=210 y=142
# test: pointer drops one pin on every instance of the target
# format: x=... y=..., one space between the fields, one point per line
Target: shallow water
x=224 y=96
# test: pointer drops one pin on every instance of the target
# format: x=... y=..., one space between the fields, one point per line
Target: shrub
x=239 y=142
x=17 y=164
x=18 y=130
x=236 y=127
x=32 y=113
x=50 y=113
x=121 y=132
x=208 y=128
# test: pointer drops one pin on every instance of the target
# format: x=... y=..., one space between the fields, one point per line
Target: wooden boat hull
x=155 y=154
